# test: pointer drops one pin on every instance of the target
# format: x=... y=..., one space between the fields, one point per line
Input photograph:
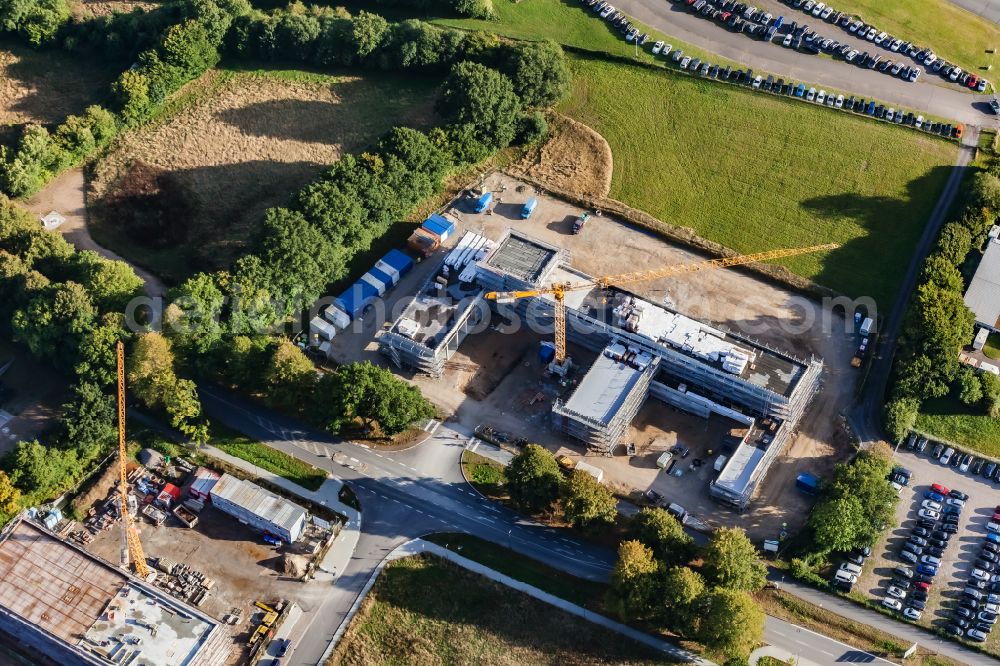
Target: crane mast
x=131 y=550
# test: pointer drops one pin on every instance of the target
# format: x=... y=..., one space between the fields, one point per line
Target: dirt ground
x=45 y=86
x=575 y=159
x=730 y=298
x=245 y=568
x=66 y=195
x=248 y=143
x=87 y=8
x=30 y=392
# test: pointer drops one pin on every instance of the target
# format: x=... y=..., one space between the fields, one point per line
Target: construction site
x=732 y=377
x=170 y=563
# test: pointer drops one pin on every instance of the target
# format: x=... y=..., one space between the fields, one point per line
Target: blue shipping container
x=484 y=202
x=439 y=226
x=807 y=483
x=356 y=297
x=529 y=208
x=377 y=279
x=398 y=261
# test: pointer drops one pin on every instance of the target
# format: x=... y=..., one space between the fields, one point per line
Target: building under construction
x=646 y=349
x=60 y=602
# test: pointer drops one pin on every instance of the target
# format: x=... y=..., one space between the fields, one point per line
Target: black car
x=921 y=532
x=726 y=73
x=950 y=518
x=978 y=584
x=921 y=578
x=936 y=551
x=984 y=627
x=964 y=613
x=977 y=466
x=919 y=595
x=951 y=528
x=971 y=604
x=960 y=621
x=939 y=534
x=922 y=522
x=954 y=630
x=713 y=71
x=991 y=547
x=939 y=543
x=989 y=556
x=985 y=565
x=958 y=494
x=916 y=603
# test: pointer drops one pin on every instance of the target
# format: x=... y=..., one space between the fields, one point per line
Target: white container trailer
x=594 y=471
x=866 y=326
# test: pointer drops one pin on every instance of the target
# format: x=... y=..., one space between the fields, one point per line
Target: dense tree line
x=66 y=307
x=938 y=323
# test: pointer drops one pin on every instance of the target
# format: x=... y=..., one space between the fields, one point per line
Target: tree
x=252 y=311
x=920 y=376
x=633 y=580
x=10 y=498
x=367 y=32
x=838 y=523
x=991 y=393
x=299 y=257
x=665 y=535
x=731 y=561
x=680 y=588
x=89 y=422
x=97 y=359
x=941 y=271
x=112 y=284
x=42 y=472
x=374 y=396
x=150 y=369
x=484 y=99
x=954 y=242
x=188 y=47
x=184 y=408
x=131 y=92
x=986 y=190
x=940 y=320
x=585 y=501
x=538 y=71
x=968 y=387
x=54 y=324
x=901 y=416
x=729 y=621
x=290 y=377
x=195 y=313
x=533 y=478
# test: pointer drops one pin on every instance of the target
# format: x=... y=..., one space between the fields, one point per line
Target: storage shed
x=169 y=496
x=395 y=264
x=355 y=298
x=202 y=482
x=262 y=510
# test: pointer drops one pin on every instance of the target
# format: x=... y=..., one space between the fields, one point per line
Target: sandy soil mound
x=576 y=158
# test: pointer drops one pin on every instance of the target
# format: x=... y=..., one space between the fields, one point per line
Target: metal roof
x=983 y=295
x=603 y=390
x=256 y=500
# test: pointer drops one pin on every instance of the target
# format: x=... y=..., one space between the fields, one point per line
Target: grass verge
x=588 y=594
x=949 y=420
x=955 y=34
x=469 y=619
x=791 y=609
x=756 y=172
x=265 y=457
x=992 y=348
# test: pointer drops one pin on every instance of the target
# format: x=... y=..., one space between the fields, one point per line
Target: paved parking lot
x=962 y=550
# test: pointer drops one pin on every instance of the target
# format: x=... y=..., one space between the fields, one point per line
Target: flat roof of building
x=259 y=502
x=682 y=333
x=602 y=391
x=983 y=295
x=522 y=257
x=86 y=603
x=429 y=316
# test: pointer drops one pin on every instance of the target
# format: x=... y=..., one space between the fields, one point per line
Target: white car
x=894 y=591
x=809 y=5
x=894 y=604
x=757 y=81
x=955 y=73
x=608 y=11
x=954 y=501
x=826 y=13
x=896 y=43
x=931 y=560
x=979 y=574
x=787 y=41
x=920 y=123
x=657 y=47
x=811 y=95
x=931 y=504
x=871 y=35
x=846 y=577
x=854 y=26
x=685 y=62
x=818 y=9
x=890 y=115
x=667 y=48
x=930 y=59
x=821 y=97
x=840 y=104
x=912 y=614
x=929 y=514
x=991 y=606
x=851 y=55
x=880 y=37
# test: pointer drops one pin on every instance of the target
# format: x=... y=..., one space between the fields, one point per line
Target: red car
x=973 y=81
x=957 y=132
x=938 y=488
x=922 y=586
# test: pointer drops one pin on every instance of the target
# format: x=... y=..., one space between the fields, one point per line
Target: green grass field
x=754 y=172
x=955 y=34
x=424 y=610
x=992 y=348
x=277 y=462
x=952 y=421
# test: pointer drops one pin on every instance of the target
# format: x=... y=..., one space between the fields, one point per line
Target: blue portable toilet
x=484 y=202
x=529 y=208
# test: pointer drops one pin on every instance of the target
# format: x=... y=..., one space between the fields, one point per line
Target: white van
x=850 y=568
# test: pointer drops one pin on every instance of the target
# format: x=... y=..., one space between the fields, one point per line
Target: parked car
x=933 y=496
x=893 y=604
x=931 y=504
x=912 y=613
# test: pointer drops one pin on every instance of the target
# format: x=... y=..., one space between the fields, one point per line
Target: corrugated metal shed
x=397 y=261
x=258 y=507
x=983 y=296
x=356 y=297
x=202 y=482
x=442 y=227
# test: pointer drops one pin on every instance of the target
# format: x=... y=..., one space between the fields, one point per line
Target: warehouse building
x=646 y=349
x=62 y=603
x=983 y=294
x=258 y=508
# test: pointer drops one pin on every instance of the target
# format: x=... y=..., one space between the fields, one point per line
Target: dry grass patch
x=575 y=159
x=47 y=86
x=424 y=610
x=88 y=8
x=247 y=141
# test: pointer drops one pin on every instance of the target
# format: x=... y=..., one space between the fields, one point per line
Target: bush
x=487 y=475
x=532 y=127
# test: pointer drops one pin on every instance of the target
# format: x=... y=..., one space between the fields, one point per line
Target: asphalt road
x=930 y=94
x=988 y=9
x=421 y=491
x=866 y=419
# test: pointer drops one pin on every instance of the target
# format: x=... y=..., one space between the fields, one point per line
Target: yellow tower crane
x=558 y=290
x=131 y=550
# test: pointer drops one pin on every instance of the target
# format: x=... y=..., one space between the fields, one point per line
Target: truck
x=579 y=222
x=529 y=208
x=867 y=326
x=483 y=202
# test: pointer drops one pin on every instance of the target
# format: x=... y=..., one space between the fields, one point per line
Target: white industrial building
x=983 y=294
x=259 y=508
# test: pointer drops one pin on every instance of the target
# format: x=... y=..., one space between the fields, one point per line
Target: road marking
x=380 y=455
